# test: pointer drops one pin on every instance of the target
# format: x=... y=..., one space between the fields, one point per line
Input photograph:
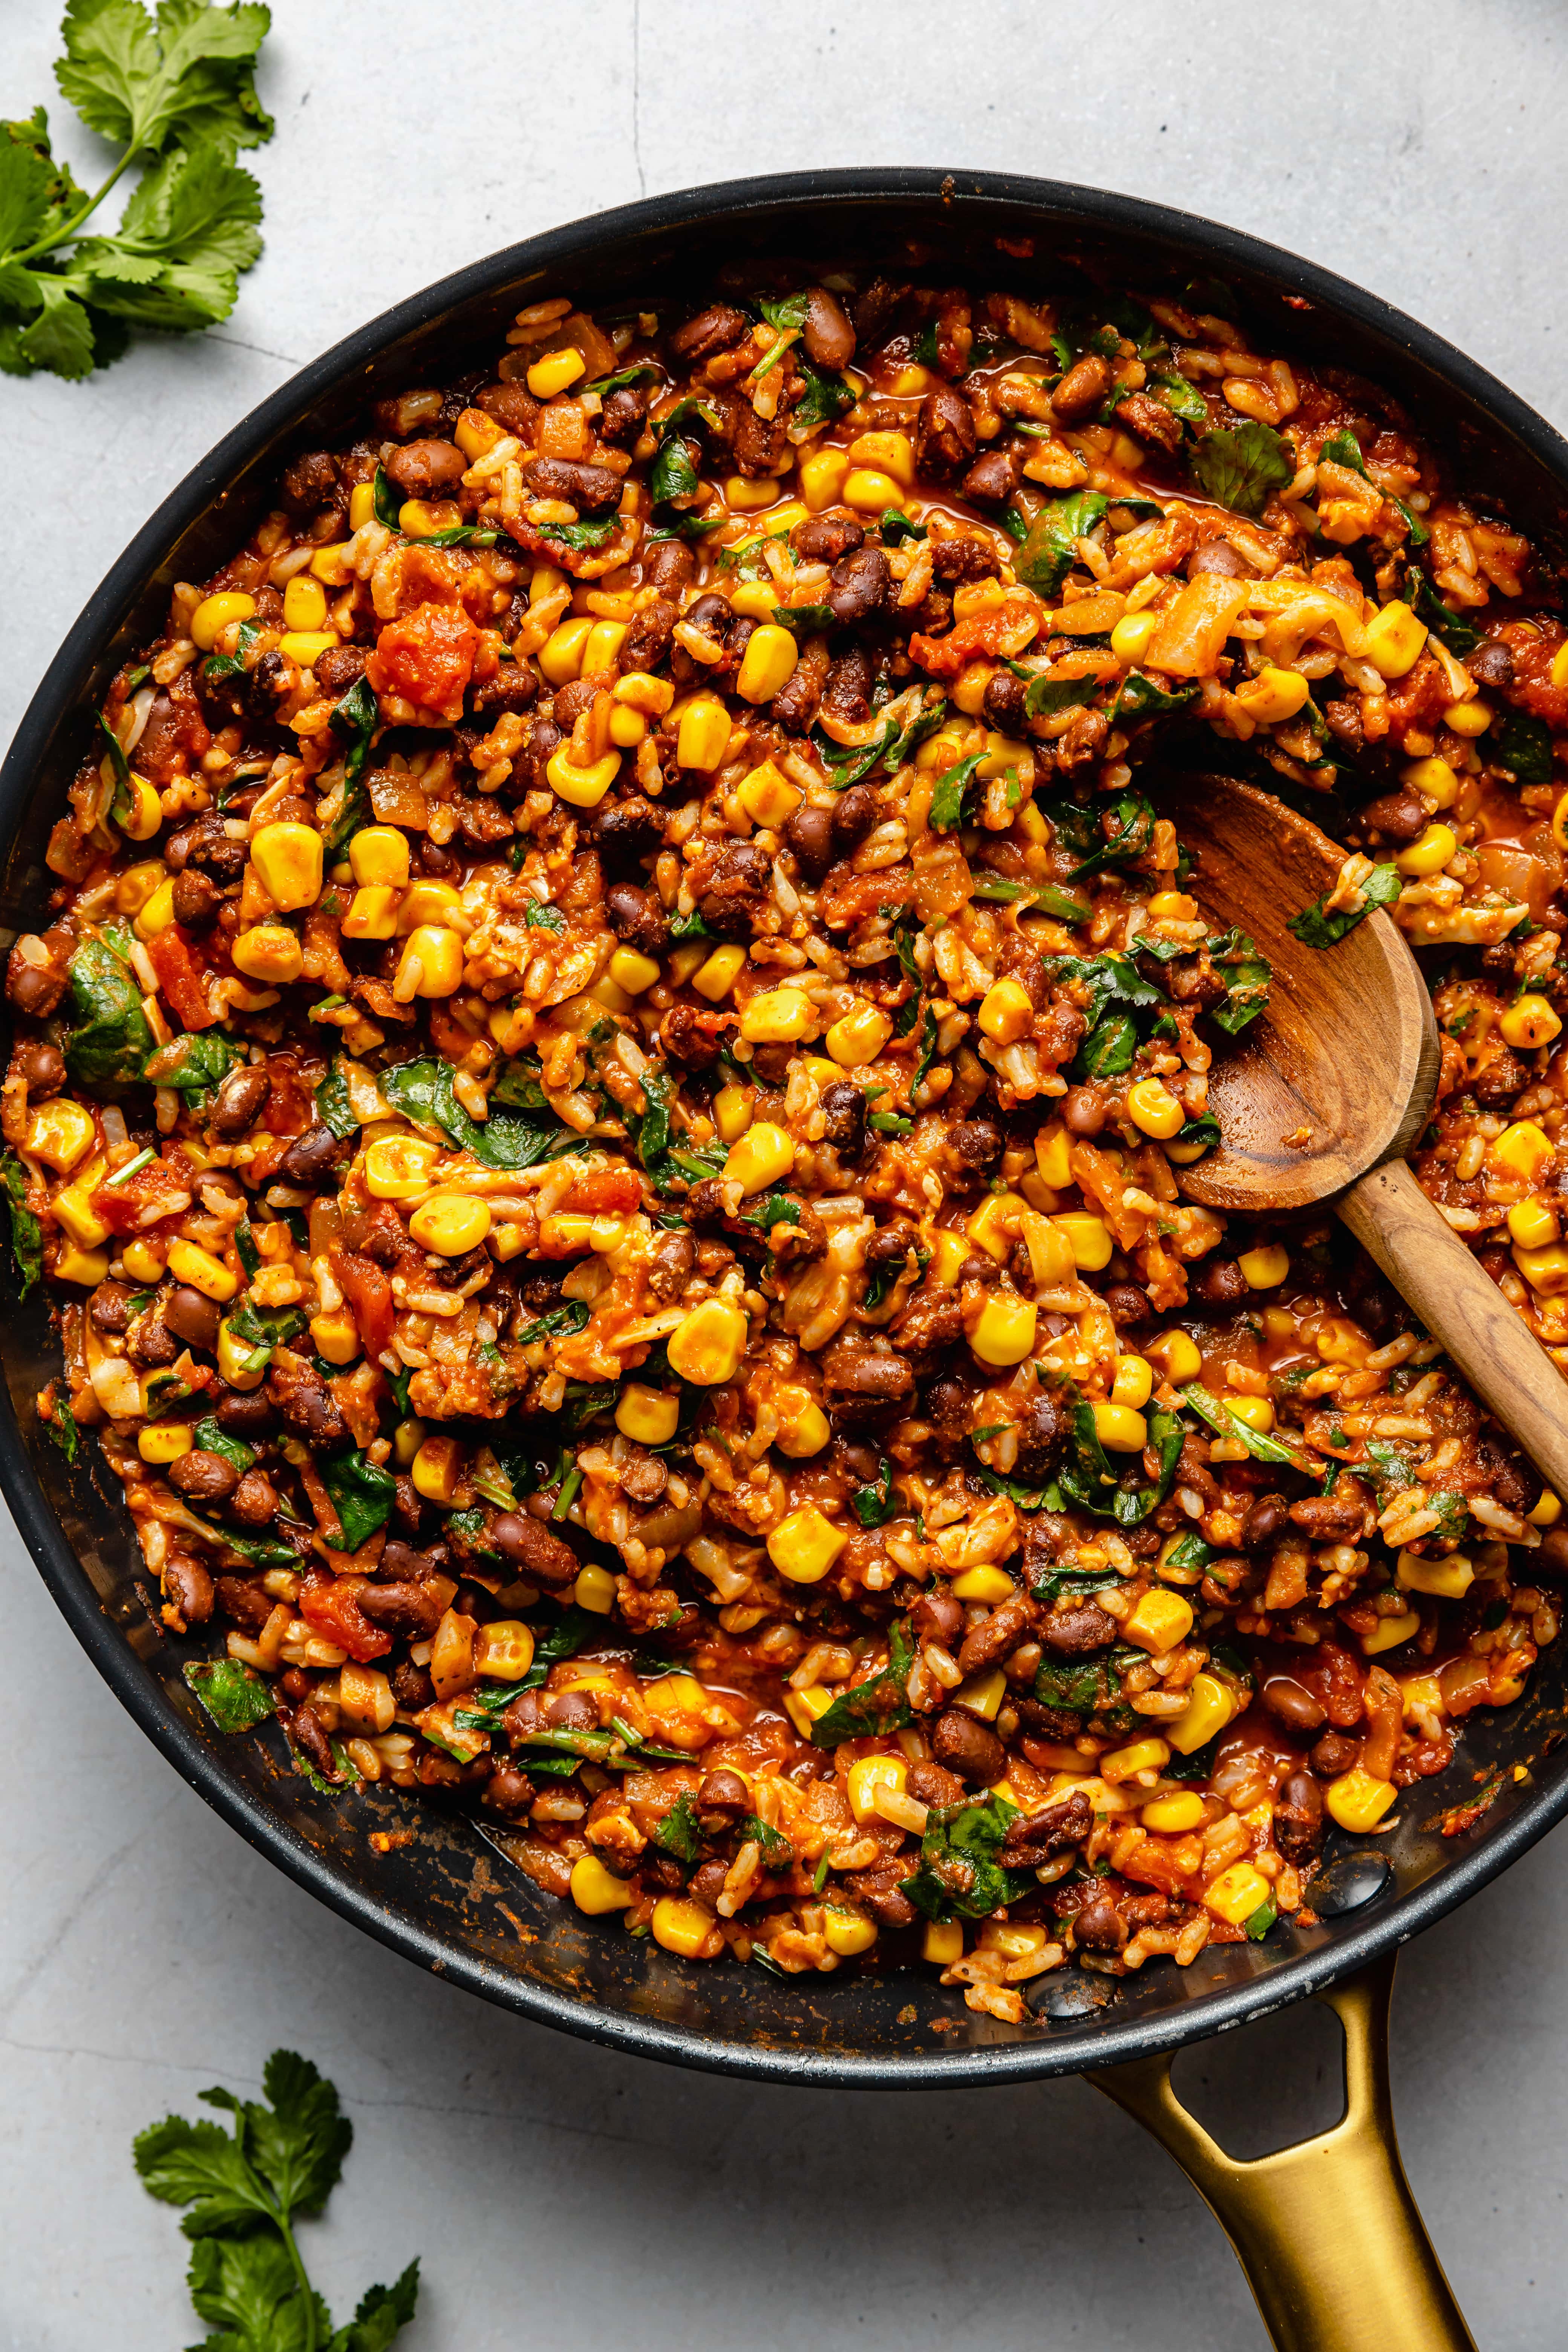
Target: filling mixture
x=604 y=1101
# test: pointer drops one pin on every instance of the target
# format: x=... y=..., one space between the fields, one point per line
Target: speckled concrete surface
x=554 y=2190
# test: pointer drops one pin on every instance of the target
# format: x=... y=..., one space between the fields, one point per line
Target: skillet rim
x=1073 y=207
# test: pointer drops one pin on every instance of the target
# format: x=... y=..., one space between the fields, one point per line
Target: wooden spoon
x=1331 y=1086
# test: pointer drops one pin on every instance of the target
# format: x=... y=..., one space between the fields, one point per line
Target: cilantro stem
x=306 y=2291
x=64 y=235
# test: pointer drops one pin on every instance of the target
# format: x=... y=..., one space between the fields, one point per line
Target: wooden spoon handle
x=1433 y=1271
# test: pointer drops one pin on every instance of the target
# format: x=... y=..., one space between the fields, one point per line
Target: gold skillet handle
x=1327 y=2231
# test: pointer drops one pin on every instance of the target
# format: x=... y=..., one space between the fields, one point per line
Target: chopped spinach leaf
x=880 y=1704
x=1461 y=637
x=1239 y=467
x=959 y=1874
x=1091 y=1481
x=235 y=1696
x=825 y=398
x=1524 y=744
x=1315 y=928
x=947 y=799
x=362 y=1497
x=209 y=1438
x=1220 y=1418
x=678 y=1832
x=1047 y=696
x=422 y=1091
x=896 y=526
x=27 y=1232
x=109 y=1038
x=193 y=1065
x=1139 y=698
x=557 y=1324
x=1051 y=551
x=874 y=1505
x=333 y=1108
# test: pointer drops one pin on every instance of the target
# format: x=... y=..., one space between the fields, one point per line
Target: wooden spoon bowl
x=1331 y=1086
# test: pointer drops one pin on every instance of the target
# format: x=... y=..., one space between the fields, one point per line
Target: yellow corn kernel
x=268 y=953
x=305 y=646
x=397 y=1167
x=142 y=1262
x=949 y=1251
x=803 y=1547
x=1451 y=1576
x=304 y=603
x=1089 y=1238
x=234 y=1362
x=450 y=1223
x=1142 y=1756
x=336 y=1335
x=1265 y=1269
x=871 y=490
x=144 y=814
x=983 y=1583
x=1523 y=1148
x=633 y=972
x=1006 y=1011
x=822 y=477
x=1393 y=640
x=136 y=884
x=561 y=656
x=372 y=914
x=1006 y=1330
x=1152 y=1107
x=158 y=912
x=804 y=1428
x=1358 y=1801
x=847 y=1932
x=939 y=751
x=754 y=600
x=943 y=1943
x=1160 y=1620
x=1133 y=1384
x=362 y=505
x=766 y=664
x=1467 y=719
x=61 y=1133
x=595 y=1890
x=73 y=1208
x=1430 y=853
x=379 y=854
x=90 y=1267
x=603 y=643
x=1530 y=1022
x=1237 y=1893
x=476 y=434
x=594 y=1590
x=215 y=613
x=554 y=372
x=870 y=1773
x=1177 y=1356
x=431 y=965
x=892 y=452
x=1545 y=1270
x=716 y=974
x=732 y=1112
x=288 y=858
x=1119 y=1429
x=678 y=1925
x=164 y=1441
x=1389 y=1631
x=1174 y=1816
x=704 y=733
x=708 y=1346
x=503 y=1652
x=1209 y=1709
x=859 y=1037
x=995 y=1224
x=778 y=1017
x=748 y=498
x=1133 y=636
x=437 y=1468
x=580 y=787
x=627 y=727
x=1051 y=1149
x=645 y=1415
x=967 y=693
x=1546 y=1513
x=406 y=1440
x=765 y=1155
x=1433 y=779
x=803 y=1707
x=1272 y=695
x=1254 y=1410
x=331 y=564
x=203 y=1272
x=1173 y=907
x=768 y=797
x=1533 y=1224
x=982 y=1694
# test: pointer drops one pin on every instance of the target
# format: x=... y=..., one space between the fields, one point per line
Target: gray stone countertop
x=555 y=2191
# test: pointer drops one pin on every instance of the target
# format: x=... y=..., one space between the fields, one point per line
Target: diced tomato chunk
x=427 y=657
x=328 y=1606
x=179 y=979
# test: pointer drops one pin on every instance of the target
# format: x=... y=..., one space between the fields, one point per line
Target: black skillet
x=1354 y=2268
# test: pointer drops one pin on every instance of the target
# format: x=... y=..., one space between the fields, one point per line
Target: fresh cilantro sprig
x=244 y=2195
x=177 y=95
